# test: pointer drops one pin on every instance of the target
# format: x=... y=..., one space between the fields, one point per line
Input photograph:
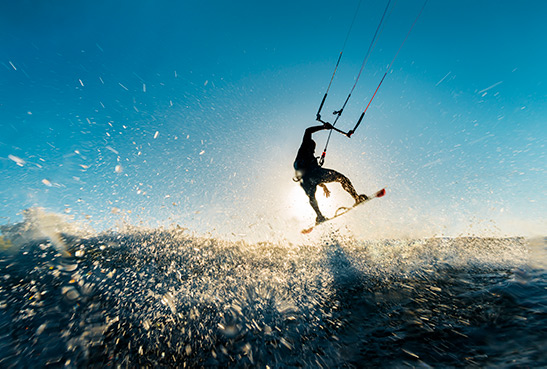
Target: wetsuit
x=311 y=174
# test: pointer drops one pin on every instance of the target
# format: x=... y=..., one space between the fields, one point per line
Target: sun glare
x=299 y=206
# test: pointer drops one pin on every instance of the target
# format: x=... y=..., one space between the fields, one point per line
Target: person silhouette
x=310 y=174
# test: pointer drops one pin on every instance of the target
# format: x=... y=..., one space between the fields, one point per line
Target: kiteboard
x=343 y=210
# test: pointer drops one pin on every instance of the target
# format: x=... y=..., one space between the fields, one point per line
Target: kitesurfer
x=310 y=174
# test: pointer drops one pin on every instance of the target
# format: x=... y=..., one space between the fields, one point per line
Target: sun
x=298 y=204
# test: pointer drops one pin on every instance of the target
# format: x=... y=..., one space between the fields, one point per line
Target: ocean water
x=167 y=298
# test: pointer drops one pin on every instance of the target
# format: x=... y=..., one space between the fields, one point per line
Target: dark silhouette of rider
x=311 y=175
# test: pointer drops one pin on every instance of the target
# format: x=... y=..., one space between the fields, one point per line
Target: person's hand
x=327 y=125
x=326 y=190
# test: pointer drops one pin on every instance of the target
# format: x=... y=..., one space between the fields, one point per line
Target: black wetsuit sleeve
x=309 y=131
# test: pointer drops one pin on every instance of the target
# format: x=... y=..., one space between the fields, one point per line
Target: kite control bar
x=334 y=128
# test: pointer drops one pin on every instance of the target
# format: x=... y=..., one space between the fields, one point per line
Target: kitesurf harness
x=373 y=42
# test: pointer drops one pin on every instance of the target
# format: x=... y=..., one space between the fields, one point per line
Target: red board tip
x=381 y=193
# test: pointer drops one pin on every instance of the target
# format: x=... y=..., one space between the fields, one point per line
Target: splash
x=164 y=297
x=39 y=224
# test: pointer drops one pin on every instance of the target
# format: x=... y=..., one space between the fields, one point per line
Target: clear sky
x=191 y=112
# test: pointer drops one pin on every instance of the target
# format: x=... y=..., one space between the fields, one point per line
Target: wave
x=167 y=298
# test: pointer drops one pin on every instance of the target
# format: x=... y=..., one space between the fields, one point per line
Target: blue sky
x=192 y=112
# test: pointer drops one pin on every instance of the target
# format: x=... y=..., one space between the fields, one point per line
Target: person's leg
x=329 y=175
x=310 y=189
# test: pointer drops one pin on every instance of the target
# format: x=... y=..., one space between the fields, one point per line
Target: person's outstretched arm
x=310 y=130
